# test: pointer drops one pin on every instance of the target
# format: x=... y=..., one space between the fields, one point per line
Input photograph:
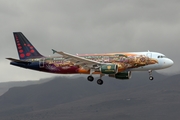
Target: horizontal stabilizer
x=18 y=61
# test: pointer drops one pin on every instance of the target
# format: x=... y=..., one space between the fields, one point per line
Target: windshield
x=161 y=56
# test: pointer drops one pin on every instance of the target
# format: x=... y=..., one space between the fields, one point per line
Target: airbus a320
x=117 y=65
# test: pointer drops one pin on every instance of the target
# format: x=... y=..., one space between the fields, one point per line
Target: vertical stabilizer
x=25 y=49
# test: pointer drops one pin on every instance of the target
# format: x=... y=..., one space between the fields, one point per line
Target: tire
x=151 y=77
x=90 y=78
x=99 y=82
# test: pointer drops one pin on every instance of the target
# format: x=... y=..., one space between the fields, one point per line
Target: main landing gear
x=150 y=75
x=99 y=81
x=90 y=78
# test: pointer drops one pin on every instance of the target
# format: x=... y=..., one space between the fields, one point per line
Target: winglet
x=54 y=51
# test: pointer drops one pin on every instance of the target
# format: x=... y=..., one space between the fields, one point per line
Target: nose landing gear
x=150 y=75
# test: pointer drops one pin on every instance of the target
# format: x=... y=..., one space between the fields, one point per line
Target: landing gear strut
x=100 y=81
x=90 y=77
x=150 y=75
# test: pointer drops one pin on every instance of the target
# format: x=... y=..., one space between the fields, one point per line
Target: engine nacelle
x=122 y=75
x=109 y=69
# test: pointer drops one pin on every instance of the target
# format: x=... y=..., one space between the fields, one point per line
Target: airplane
x=117 y=65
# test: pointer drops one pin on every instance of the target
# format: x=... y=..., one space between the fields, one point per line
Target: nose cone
x=169 y=62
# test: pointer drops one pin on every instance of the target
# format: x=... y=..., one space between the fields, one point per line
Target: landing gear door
x=149 y=54
x=41 y=62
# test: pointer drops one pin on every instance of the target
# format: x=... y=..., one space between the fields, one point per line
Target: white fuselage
x=163 y=62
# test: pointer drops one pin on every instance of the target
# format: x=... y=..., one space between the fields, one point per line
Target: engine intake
x=109 y=69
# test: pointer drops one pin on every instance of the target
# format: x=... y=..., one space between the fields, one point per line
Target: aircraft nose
x=169 y=62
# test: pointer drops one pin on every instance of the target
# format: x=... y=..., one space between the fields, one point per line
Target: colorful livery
x=117 y=65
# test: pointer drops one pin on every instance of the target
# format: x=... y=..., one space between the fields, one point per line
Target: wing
x=86 y=63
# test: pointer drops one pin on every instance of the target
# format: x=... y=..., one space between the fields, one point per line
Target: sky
x=88 y=26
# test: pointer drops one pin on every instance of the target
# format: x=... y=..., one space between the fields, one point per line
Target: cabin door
x=41 y=63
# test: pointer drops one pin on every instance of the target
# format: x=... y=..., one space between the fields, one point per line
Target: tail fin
x=25 y=49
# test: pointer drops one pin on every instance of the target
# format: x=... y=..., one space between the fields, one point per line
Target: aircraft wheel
x=151 y=77
x=99 y=81
x=90 y=78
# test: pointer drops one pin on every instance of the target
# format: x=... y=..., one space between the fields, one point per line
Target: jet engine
x=122 y=75
x=109 y=69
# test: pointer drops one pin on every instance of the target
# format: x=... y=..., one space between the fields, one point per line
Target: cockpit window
x=161 y=56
